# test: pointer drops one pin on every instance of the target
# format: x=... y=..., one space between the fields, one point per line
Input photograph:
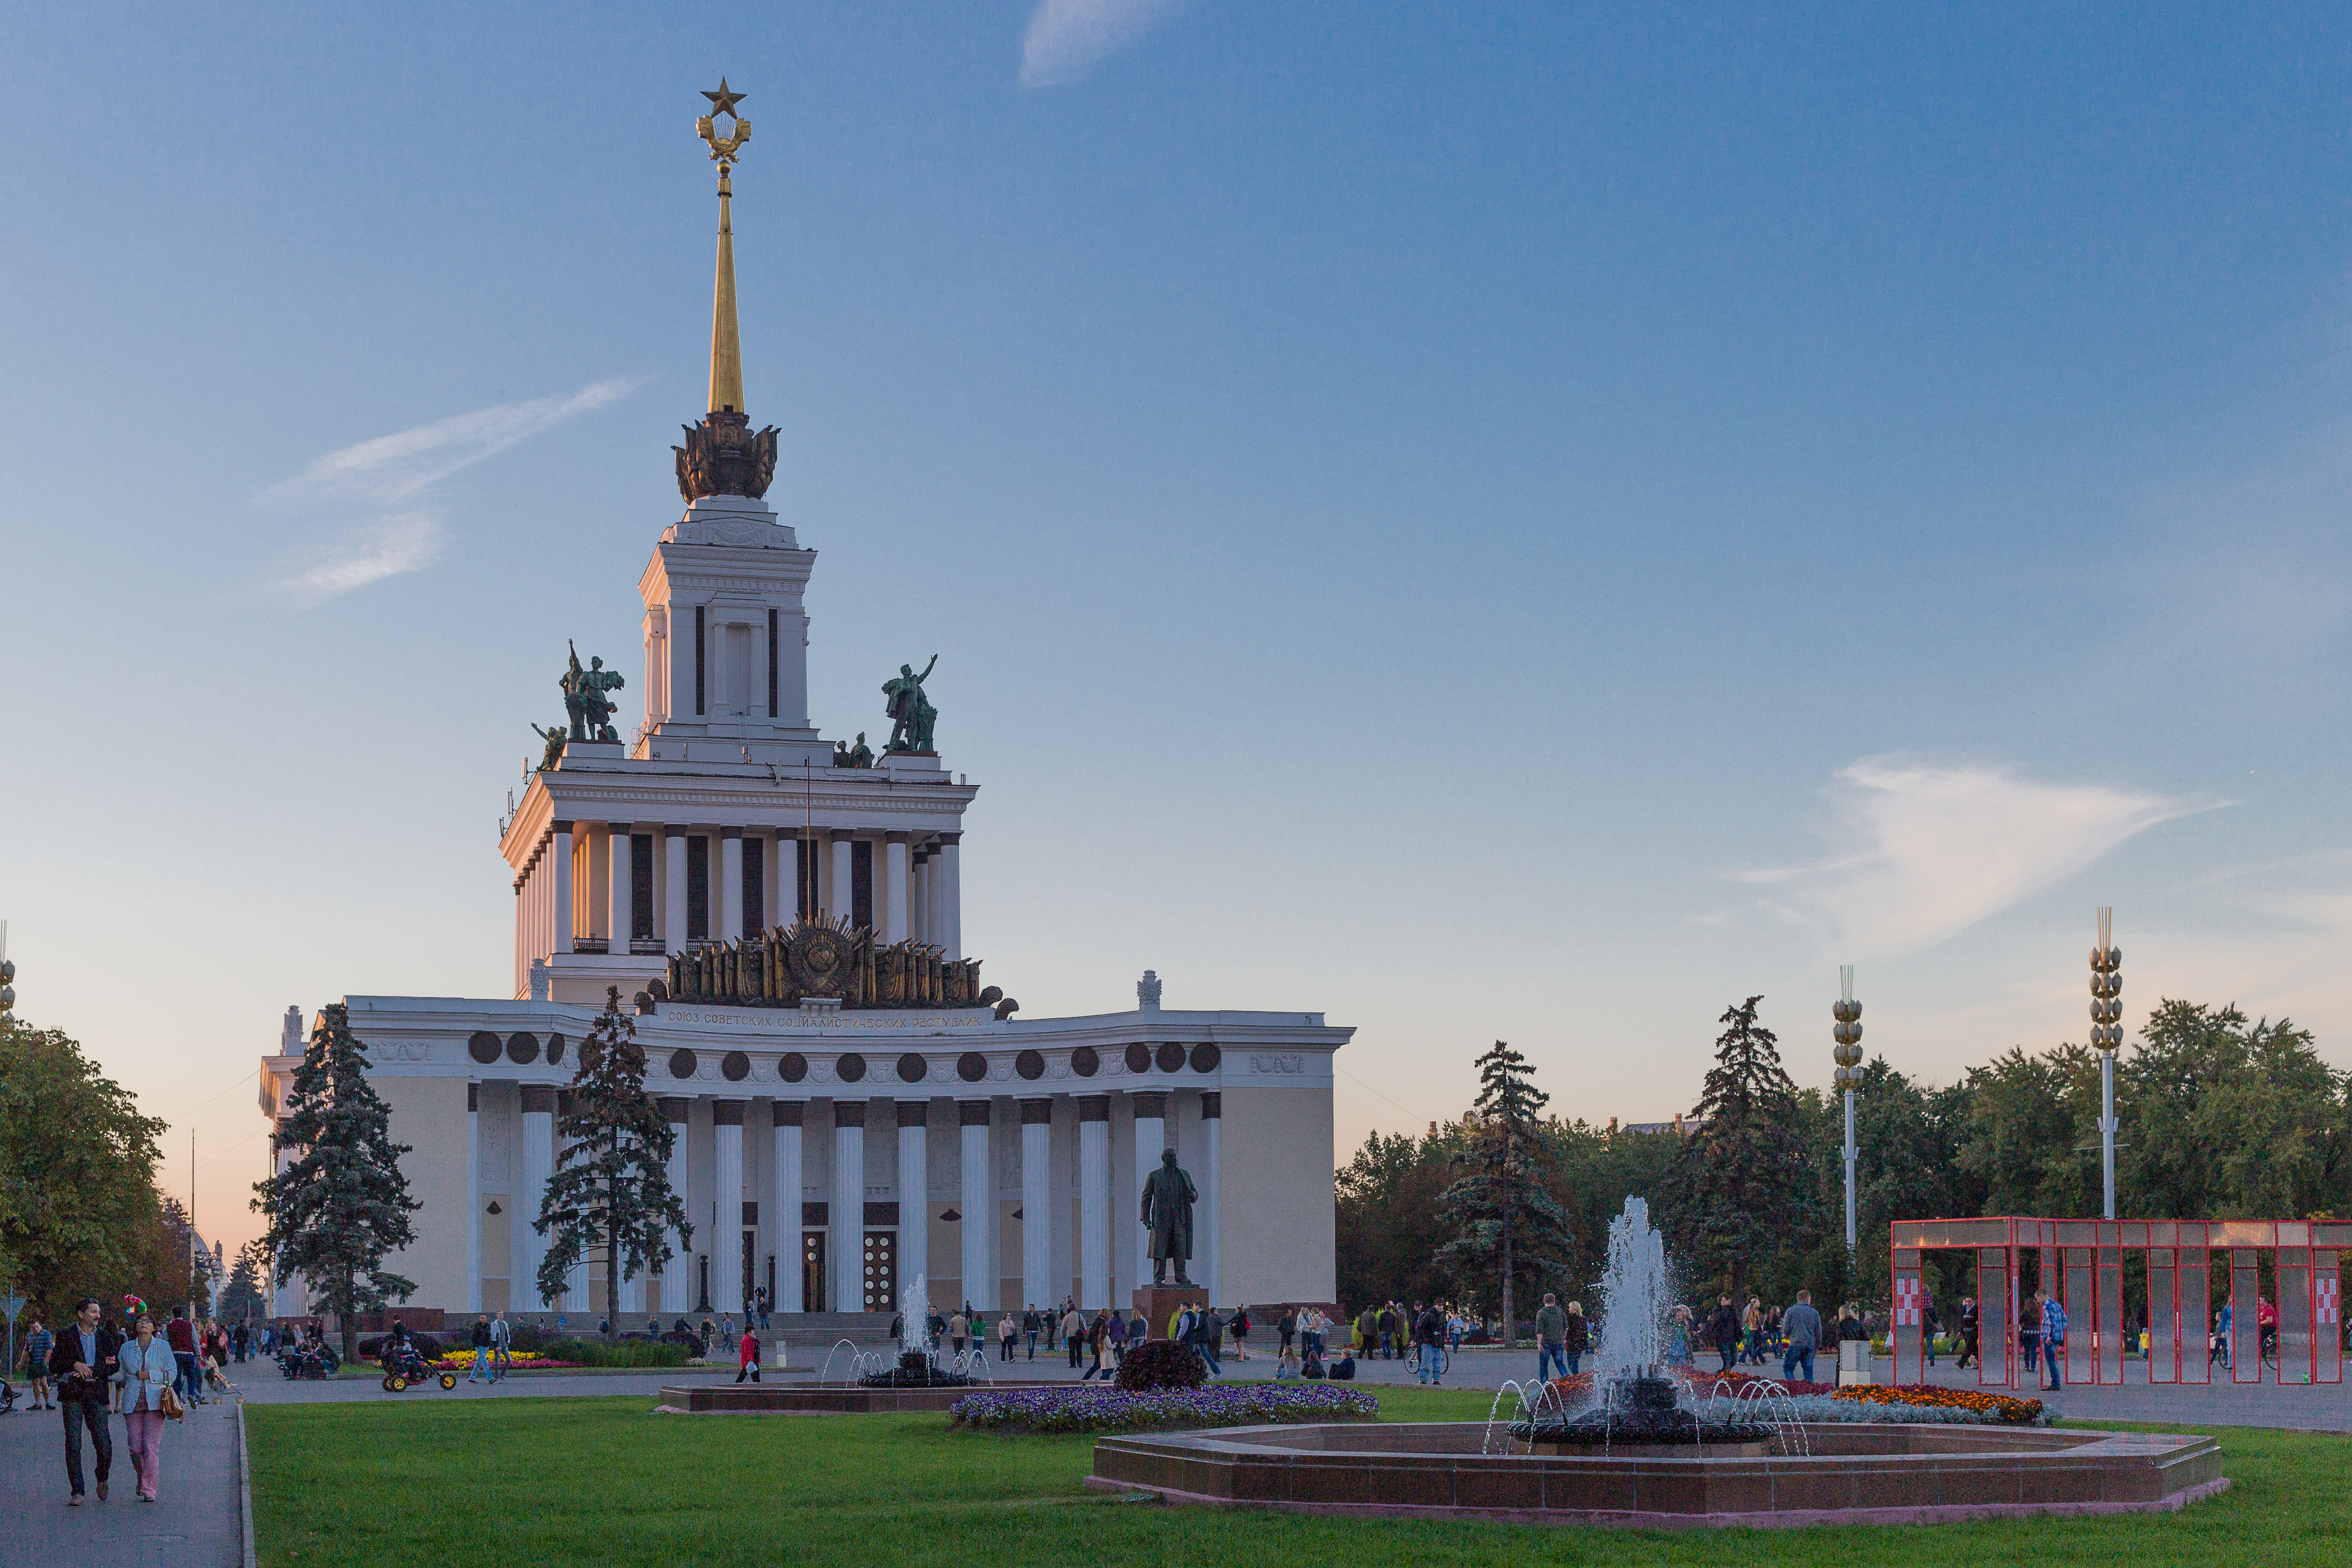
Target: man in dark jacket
x=80 y=1364
x=1429 y=1332
x=1723 y=1331
x=1969 y=1334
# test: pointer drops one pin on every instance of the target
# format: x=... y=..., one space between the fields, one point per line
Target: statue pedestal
x=1161 y=1303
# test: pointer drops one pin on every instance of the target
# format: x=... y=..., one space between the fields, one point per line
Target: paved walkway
x=199 y=1523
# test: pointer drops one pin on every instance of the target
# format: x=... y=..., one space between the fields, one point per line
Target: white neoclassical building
x=833 y=1148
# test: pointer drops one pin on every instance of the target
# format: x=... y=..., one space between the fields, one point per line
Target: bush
x=596 y=1352
x=1161 y=1363
x=529 y=1337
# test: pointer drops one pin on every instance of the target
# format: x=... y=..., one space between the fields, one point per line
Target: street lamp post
x=2106 y=1038
x=1848 y=1076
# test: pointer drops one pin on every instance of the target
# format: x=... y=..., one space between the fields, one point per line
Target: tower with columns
x=829 y=1157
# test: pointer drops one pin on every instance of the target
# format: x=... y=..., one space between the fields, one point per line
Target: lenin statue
x=1168 y=1197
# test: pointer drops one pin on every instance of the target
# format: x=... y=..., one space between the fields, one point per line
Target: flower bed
x=1103 y=1408
x=1929 y=1395
x=1827 y=1407
x=523 y=1361
x=1699 y=1382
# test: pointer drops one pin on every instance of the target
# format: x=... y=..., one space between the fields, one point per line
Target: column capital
x=727 y=1112
x=673 y=1109
x=731 y=833
x=1093 y=1108
x=971 y=1113
x=950 y=840
x=894 y=837
x=842 y=834
x=849 y=1113
x=562 y=826
x=539 y=1100
x=789 y=1113
x=1152 y=1106
x=1036 y=1113
x=914 y=1113
x=1213 y=1105
x=673 y=830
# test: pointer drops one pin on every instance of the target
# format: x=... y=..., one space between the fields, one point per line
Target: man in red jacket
x=182 y=1337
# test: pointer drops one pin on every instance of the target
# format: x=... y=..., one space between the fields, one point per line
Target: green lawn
x=437 y=1479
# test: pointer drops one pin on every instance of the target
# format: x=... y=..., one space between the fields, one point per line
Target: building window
x=641 y=884
x=698 y=657
x=698 y=890
x=755 y=881
x=861 y=881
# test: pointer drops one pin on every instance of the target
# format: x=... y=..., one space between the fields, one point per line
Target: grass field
x=533 y=1482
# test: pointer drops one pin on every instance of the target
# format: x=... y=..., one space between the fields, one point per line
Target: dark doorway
x=813 y=1270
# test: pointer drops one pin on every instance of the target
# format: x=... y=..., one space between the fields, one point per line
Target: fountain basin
x=1861 y=1475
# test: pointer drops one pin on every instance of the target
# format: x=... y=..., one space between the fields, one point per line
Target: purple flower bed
x=1104 y=1408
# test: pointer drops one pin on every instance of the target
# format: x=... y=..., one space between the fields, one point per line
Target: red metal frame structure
x=2083 y=1260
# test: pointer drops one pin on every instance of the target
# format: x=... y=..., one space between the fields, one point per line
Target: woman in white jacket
x=146 y=1368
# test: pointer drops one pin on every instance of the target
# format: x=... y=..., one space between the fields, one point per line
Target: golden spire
x=726 y=340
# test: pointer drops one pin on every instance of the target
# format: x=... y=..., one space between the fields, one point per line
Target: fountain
x=1639 y=1409
x=1641 y=1450
x=918 y=1359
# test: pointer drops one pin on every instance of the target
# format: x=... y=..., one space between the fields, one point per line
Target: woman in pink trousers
x=147 y=1368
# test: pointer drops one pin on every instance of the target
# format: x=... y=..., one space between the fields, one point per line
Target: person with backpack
x=1031 y=1326
x=1429 y=1331
x=1240 y=1325
x=1967 y=1341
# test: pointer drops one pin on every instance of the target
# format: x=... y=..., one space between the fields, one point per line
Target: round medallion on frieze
x=735 y=1066
x=523 y=1046
x=793 y=1068
x=1171 y=1056
x=1139 y=1058
x=912 y=1068
x=972 y=1066
x=1086 y=1062
x=1205 y=1057
x=554 y=1048
x=851 y=1068
x=1030 y=1064
x=483 y=1046
x=682 y=1063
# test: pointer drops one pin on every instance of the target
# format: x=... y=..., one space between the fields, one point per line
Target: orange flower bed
x=1998 y=1406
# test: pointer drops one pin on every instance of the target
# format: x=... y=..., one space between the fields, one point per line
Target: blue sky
x=1500 y=521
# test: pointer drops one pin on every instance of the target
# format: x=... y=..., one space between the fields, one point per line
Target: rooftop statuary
x=556 y=740
x=860 y=755
x=586 y=701
x=911 y=715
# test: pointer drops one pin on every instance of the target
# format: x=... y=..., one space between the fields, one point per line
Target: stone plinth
x=1161 y=1303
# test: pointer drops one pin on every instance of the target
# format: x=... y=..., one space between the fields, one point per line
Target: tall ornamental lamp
x=1848 y=1076
x=2107 y=1038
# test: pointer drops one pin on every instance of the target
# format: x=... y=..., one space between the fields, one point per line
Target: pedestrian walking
x=1030 y=1324
x=2053 y=1342
x=747 y=1355
x=501 y=1346
x=481 y=1343
x=1097 y=1346
x=1074 y=1334
x=1551 y=1339
x=1802 y=1325
x=1723 y=1331
x=145 y=1369
x=1005 y=1330
x=1241 y=1327
x=1579 y=1337
x=38 y=1343
x=1117 y=1335
x=959 y=1331
x=1967 y=1343
x=1429 y=1332
x=83 y=1363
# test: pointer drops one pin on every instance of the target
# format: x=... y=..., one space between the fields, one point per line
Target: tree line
x=2222 y=1117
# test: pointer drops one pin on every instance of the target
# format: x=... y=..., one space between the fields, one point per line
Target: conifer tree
x=610 y=1192
x=1740 y=1183
x=342 y=1207
x=1505 y=1220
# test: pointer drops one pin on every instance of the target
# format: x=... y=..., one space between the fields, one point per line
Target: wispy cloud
x=1066 y=38
x=1925 y=852
x=403 y=467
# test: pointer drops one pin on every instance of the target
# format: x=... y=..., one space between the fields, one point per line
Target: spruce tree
x=1740 y=1183
x=1504 y=1218
x=342 y=1207
x=610 y=1192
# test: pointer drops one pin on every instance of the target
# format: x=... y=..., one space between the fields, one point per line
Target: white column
x=914 y=1195
x=951 y=897
x=677 y=1274
x=894 y=877
x=788 y=1207
x=673 y=933
x=730 y=886
x=1205 y=1240
x=787 y=911
x=847 y=1241
x=1037 y=1202
x=1151 y=1138
x=978 y=1201
x=1094 y=1201
x=918 y=903
x=562 y=852
x=283 y=1299
x=844 y=902
x=473 y=1197
x=624 y=904
x=538 y=1166
x=726 y=1246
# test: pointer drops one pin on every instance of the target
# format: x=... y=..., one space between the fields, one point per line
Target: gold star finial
x=723 y=102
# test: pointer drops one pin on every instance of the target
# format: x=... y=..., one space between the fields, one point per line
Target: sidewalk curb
x=244 y=1489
